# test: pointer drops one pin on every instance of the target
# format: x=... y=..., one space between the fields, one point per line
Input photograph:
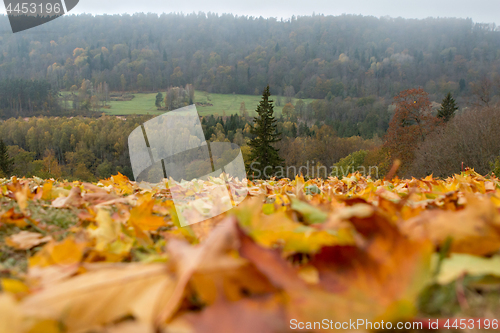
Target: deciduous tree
x=410 y=125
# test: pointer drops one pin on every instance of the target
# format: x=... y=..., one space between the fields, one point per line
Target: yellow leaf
x=22 y=197
x=14 y=286
x=45 y=326
x=47 y=191
x=123 y=183
x=109 y=235
x=279 y=229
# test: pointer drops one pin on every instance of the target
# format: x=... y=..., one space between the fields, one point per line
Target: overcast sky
x=484 y=11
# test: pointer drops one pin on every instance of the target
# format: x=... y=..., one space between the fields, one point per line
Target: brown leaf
x=474 y=230
x=380 y=278
x=73 y=199
x=211 y=255
x=262 y=314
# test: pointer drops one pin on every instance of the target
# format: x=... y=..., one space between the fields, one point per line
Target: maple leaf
x=142 y=217
x=211 y=255
x=121 y=183
x=311 y=214
x=279 y=229
x=381 y=279
x=67 y=252
x=11 y=217
x=474 y=230
x=74 y=198
x=111 y=238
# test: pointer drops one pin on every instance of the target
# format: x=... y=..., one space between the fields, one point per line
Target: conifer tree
x=5 y=161
x=448 y=108
x=264 y=156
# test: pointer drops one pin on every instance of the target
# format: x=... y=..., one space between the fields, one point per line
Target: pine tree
x=448 y=108
x=264 y=156
x=5 y=161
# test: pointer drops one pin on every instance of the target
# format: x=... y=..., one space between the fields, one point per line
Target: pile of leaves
x=111 y=256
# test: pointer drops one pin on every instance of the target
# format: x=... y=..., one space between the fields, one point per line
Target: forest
x=351 y=69
x=307 y=56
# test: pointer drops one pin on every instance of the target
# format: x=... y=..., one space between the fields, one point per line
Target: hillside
x=306 y=57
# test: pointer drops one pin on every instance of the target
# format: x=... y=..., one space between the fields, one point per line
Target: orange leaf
x=142 y=217
x=11 y=217
x=67 y=252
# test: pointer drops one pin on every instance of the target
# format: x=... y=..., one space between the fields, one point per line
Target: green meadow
x=220 y=104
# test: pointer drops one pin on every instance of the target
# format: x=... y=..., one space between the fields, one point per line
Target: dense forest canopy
x=307 y=56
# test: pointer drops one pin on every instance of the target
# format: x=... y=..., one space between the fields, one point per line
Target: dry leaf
x=26 y=240
x=103 y=296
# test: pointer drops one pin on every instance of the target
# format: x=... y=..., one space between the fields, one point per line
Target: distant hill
x=307 y=57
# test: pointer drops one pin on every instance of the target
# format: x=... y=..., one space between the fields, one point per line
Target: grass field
x=141 y=104
x=222 y=103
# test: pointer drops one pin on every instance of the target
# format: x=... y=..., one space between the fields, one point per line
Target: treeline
x=72 y=148
x=90 y=149
x=308 y=56
x=19 y=97
x=425 y=138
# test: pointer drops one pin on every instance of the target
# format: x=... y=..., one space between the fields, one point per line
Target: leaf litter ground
x=112 y=257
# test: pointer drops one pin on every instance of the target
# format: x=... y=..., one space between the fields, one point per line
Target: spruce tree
x=5 y=161
x=448 y=108
x=264 y=156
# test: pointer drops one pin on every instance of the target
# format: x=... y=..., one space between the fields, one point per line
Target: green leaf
x=460 y=264
x=311 y=214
